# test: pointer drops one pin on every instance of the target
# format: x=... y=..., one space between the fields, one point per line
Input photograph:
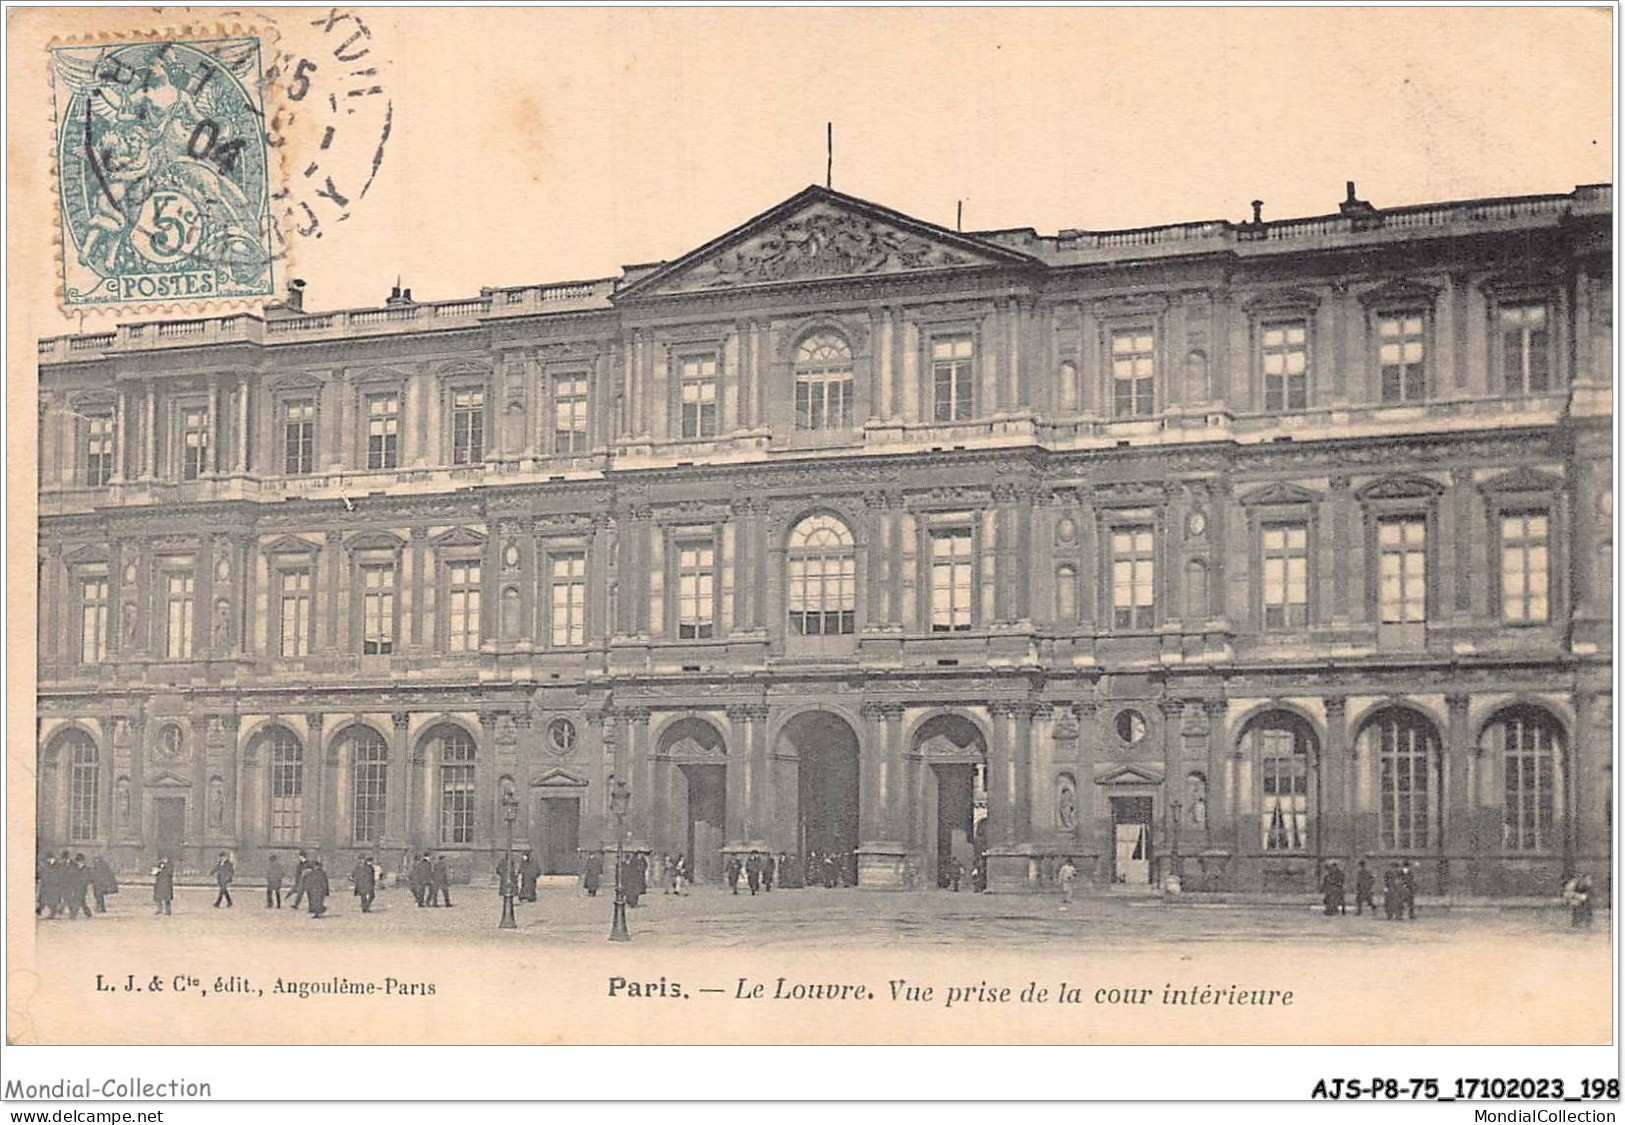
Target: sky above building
x=531 y=146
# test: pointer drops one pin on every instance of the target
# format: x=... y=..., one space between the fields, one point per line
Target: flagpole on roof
x=829 y=154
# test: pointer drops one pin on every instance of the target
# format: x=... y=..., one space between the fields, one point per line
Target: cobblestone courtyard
x=710 y=917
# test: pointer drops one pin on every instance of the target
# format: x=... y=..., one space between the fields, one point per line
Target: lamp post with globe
x=510 y=813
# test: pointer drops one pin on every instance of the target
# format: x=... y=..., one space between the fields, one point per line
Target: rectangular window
x=1285 y=358
x=468 y=426
x=1134 y=364
x=1402 y=570
x=93 y=620
x=463 y=607
x=99 y=449
x=570 y=414
x=953 y=378
x=295 y=615
x=194 y=442
x=1525 y=573
x=1402 y=351
x=383 y=431
x=1133 y=578
x=1286 y=575
x=178 y=618
x=568 y=600
x=299 y=437
x=457 y=796
x=824 y=401
x=952 y=580
x=1526 y=350
x=378 y=609
x=698 y=387
x=696 y=590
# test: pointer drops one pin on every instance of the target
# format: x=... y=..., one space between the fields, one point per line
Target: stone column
x=121 y=449
x=318 y=785
x=1173 y=774
x=1452 y=831
x=601 y=754
x=1335 y=769
x=241 y=464
x=149 y=434
x=1007 y=865
x=880 y=779
x=403 y=765
x=640 y=773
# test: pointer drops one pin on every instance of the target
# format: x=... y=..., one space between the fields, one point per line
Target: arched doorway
x=697 y=749
x=954 y=749
x=826 y=749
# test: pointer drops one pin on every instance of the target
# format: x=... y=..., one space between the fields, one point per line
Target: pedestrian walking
x=317 y=888
x=1391 y=892
x=163 y=886
x=529 y=872
x=365 y=880
x=46 y=886
x=1407 y=883
x=441 y=881
x=734 y=869
x=75 y=884
x=1331 y=889
x=1067 y=876
x=102 y=883
x=768 y=872
x=592 y=873
x=638 y=884
x=753 y=873
x=421 y=878
x=300 y=866
x=1577 y=896
x=273 y=882
x=224 y=872
x=1363 y=884
x=679 y=873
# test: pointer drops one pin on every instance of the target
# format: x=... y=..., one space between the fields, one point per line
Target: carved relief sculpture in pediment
x=824 y=243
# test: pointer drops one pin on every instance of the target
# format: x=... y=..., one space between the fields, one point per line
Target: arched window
x=369 y=758
x=1530 y=744
x=287 y=756
x=1282 y=744
x=456 y=786
x=823 y=578
x=84 y=786
x=1406 y=750
x=823 y=369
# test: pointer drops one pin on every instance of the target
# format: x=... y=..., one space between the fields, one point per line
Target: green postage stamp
x=163 y=172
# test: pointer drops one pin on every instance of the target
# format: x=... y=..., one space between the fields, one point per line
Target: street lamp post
x=510 y=813
x=620 y=795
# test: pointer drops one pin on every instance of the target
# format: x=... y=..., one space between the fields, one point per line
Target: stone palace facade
x=1219 y=548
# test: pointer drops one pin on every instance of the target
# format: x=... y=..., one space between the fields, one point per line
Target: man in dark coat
x=639 y=881
x=1391 y=892
x=273 y=881
x=1363 y=886
x=753 y=872
x=1331 y=889
x=767 y=872
x=422 y=872
x=529 y=872
x=440 y=882
x=163 y=886
x=224 y=872
x=1407 y=884
x=102 y=883
x=366 y=882
x=317 y=888
x=733 y=870
x=954 y=872
x=592 y=873
x=75 y=882
x=48 y=895
x=301 y=865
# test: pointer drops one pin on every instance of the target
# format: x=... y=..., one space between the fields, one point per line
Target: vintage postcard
x=791 y=526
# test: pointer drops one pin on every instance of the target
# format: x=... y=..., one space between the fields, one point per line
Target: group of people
x=759 y=869
x=429 y=879
x=830 y=869
x=1398 y=890
x=62 y=881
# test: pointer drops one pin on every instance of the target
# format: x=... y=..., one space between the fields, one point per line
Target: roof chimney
x=398 y=296
x=1258 y=211
x=296 y=295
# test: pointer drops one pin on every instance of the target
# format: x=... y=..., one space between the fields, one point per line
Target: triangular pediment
x=374 y=541
x=460 y=537
x=291 y=545
x=1402 y=487
x=1280 y=494
x=167 y=780
x=1129 y=775
x=1523 y=479
x=815 y=235
x=558 y=779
